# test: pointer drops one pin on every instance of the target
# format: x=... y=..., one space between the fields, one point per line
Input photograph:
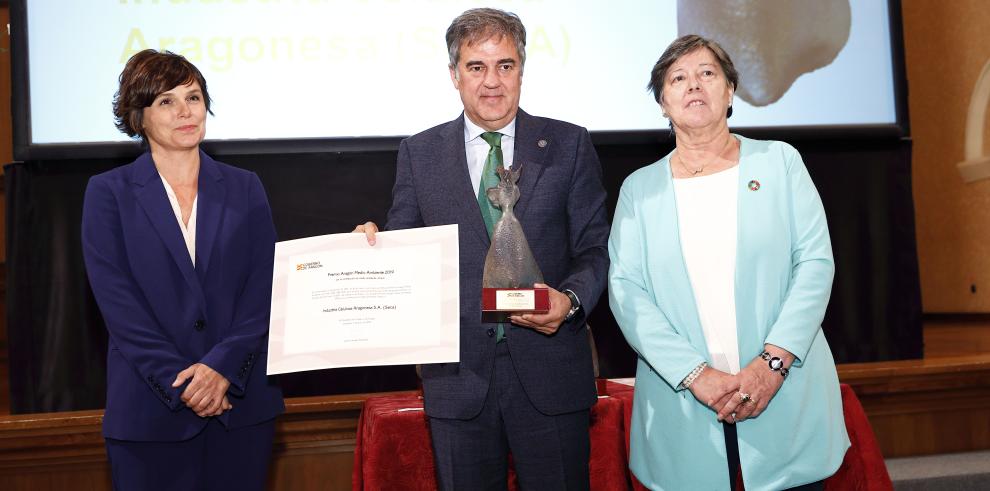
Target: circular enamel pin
x=541 y=143
x=754 y=185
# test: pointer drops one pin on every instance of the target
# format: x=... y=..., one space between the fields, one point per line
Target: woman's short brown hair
x=682 y=46
x=146 y=75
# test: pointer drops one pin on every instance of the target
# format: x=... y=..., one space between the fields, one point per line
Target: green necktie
x=489 y=179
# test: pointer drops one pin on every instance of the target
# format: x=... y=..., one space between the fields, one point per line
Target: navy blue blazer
x=562 y=211
x=163 y=314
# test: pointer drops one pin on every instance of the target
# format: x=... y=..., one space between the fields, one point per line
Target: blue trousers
x=215 y=459
x=548 y=451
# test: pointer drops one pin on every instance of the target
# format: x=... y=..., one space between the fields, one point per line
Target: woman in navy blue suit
x=179 y=250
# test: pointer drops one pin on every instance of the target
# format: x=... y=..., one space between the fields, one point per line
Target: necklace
x=693 y=172
x=701 y=169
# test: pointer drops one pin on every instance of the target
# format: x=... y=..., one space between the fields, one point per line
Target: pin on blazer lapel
x=150 y=193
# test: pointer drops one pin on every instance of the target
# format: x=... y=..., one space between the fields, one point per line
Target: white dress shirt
x=188 y=231
x=706 y=220
x=477 y=148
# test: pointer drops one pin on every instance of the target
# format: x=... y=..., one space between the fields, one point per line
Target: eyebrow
x=499 y=62
x=173 y=94
x=684 y=69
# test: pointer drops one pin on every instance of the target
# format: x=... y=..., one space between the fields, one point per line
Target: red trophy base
x=497 y=304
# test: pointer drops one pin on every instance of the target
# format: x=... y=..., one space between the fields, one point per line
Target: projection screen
x=354 y=74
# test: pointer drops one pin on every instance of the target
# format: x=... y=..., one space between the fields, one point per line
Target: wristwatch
x=775 y=363
x=575 y=305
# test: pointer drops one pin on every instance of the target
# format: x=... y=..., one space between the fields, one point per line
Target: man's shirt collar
x=472 y=131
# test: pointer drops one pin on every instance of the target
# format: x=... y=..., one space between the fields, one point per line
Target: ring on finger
x=744 y=397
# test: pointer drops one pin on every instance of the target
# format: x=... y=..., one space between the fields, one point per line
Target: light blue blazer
x=783 y=279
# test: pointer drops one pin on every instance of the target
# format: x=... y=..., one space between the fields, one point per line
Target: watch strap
x=575 y=304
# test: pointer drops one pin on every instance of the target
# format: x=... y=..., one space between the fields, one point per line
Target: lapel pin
x=754 y=185
x=541 y=143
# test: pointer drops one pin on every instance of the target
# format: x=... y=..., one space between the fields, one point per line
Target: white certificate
x=338 y=302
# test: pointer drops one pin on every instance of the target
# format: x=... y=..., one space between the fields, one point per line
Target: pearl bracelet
x=693 y=375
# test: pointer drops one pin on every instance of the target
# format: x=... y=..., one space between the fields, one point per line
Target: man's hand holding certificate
x=338 y=302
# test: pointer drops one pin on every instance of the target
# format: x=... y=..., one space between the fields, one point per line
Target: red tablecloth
x=393 y=450
x=862 y=469
x=393 y=446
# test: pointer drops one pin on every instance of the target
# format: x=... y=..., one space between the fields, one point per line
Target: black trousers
x=548 y=452
x=732 y=449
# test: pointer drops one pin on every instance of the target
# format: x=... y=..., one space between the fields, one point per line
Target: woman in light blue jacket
x=721 y=269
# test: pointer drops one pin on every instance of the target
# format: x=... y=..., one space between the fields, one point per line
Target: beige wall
x=947 y=44
x=6 y=139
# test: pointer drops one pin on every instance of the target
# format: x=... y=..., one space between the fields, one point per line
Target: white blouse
x=188 y=231
x=706 y=219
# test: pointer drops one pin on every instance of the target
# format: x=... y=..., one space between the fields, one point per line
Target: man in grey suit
x=525 y=387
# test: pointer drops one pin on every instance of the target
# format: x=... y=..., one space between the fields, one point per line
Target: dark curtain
x=57 y=341
x=875 y=310
x=55 y=336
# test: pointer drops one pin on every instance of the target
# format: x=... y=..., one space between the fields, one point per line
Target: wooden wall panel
x=916 y=407
x=53 y=451
x=946 y=46
x=314 y=443
x=6 y=123
x=956 y=335
x=6 y=136
x=922 y=407
x=314 y=448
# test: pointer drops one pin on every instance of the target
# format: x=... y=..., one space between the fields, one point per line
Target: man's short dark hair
x=478 y=25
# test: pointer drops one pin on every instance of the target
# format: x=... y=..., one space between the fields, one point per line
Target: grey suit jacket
x=562 y=211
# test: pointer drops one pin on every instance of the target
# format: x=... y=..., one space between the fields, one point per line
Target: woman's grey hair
x=478 y=25
x=682 y=46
